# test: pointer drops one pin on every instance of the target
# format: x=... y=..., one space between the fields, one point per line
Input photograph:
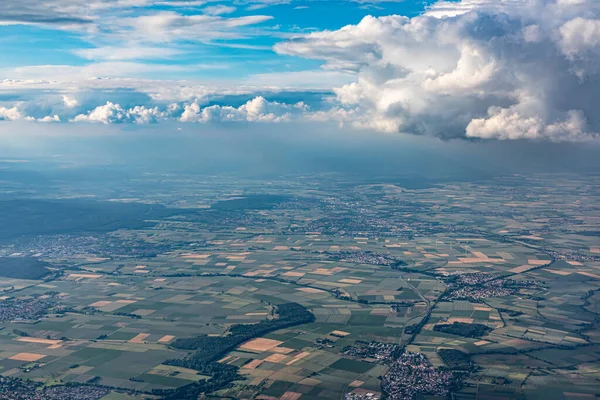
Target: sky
x=467 y=69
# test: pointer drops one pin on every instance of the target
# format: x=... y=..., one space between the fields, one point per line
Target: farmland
x=304 y=288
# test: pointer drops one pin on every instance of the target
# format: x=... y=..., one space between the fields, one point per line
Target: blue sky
x=231 y=48
x=503 y=69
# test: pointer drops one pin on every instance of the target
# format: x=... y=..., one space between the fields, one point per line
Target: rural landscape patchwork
x=309 y=287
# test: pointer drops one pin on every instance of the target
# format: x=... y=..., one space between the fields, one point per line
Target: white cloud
x=127 y=53
x=219 y=9
x=48 y=118
x=15 y=113
x=75 y=14
x=310 y=79
x=169 y=26
x=37 y=74
x=255 y=110
x=503 y=124
x=69 y=102
x=9 y=114
x=106 y=114
x=477 y=68
x=580 y=35
x=111 y=113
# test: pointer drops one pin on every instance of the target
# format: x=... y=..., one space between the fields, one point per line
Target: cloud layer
x=502 y=69
x=257 y=109
x=506 y=69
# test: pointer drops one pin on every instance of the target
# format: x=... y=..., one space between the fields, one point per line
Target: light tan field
x=295 y=274
x=322 y=271
x=27 y=357
x=575 y=263
x=460 y=319
x=470 y=260
x=253 y=364
x=276 y=358
x=166 y=339
x=126 y=301
x=589 y=274
x=281 y=350
x=196 y=256
x=309 y=381
x=139 y=338
x=352 y=281
x=522 y=268
x=310 y=290
x=559 y=272
x=538 y=262
x=96 y=259
x=260 y=344
x=479 y=254
x=101 y=303
x=298 y=357
x=28 y=339
x=290 y=396
x=339 y=333
x=84 y=276
x=177 y=298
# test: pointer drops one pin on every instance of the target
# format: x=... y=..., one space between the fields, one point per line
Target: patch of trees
x=456 y=359
x=221 y=377
x=208 y=349
x=463 y=329
x=399 y=264
x=412 y=329
x=24 y=217
x=23 y=268
x=511 y=313
x=130 y=315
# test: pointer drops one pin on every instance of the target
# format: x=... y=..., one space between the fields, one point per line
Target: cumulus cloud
x=111 y=113
x=15 y=113
x=47 y=118
x=255 y=110
x=9 y=114
x=69 y=102
x=504 y=69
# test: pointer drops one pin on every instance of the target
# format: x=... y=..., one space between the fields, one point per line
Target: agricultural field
x=490 y=289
